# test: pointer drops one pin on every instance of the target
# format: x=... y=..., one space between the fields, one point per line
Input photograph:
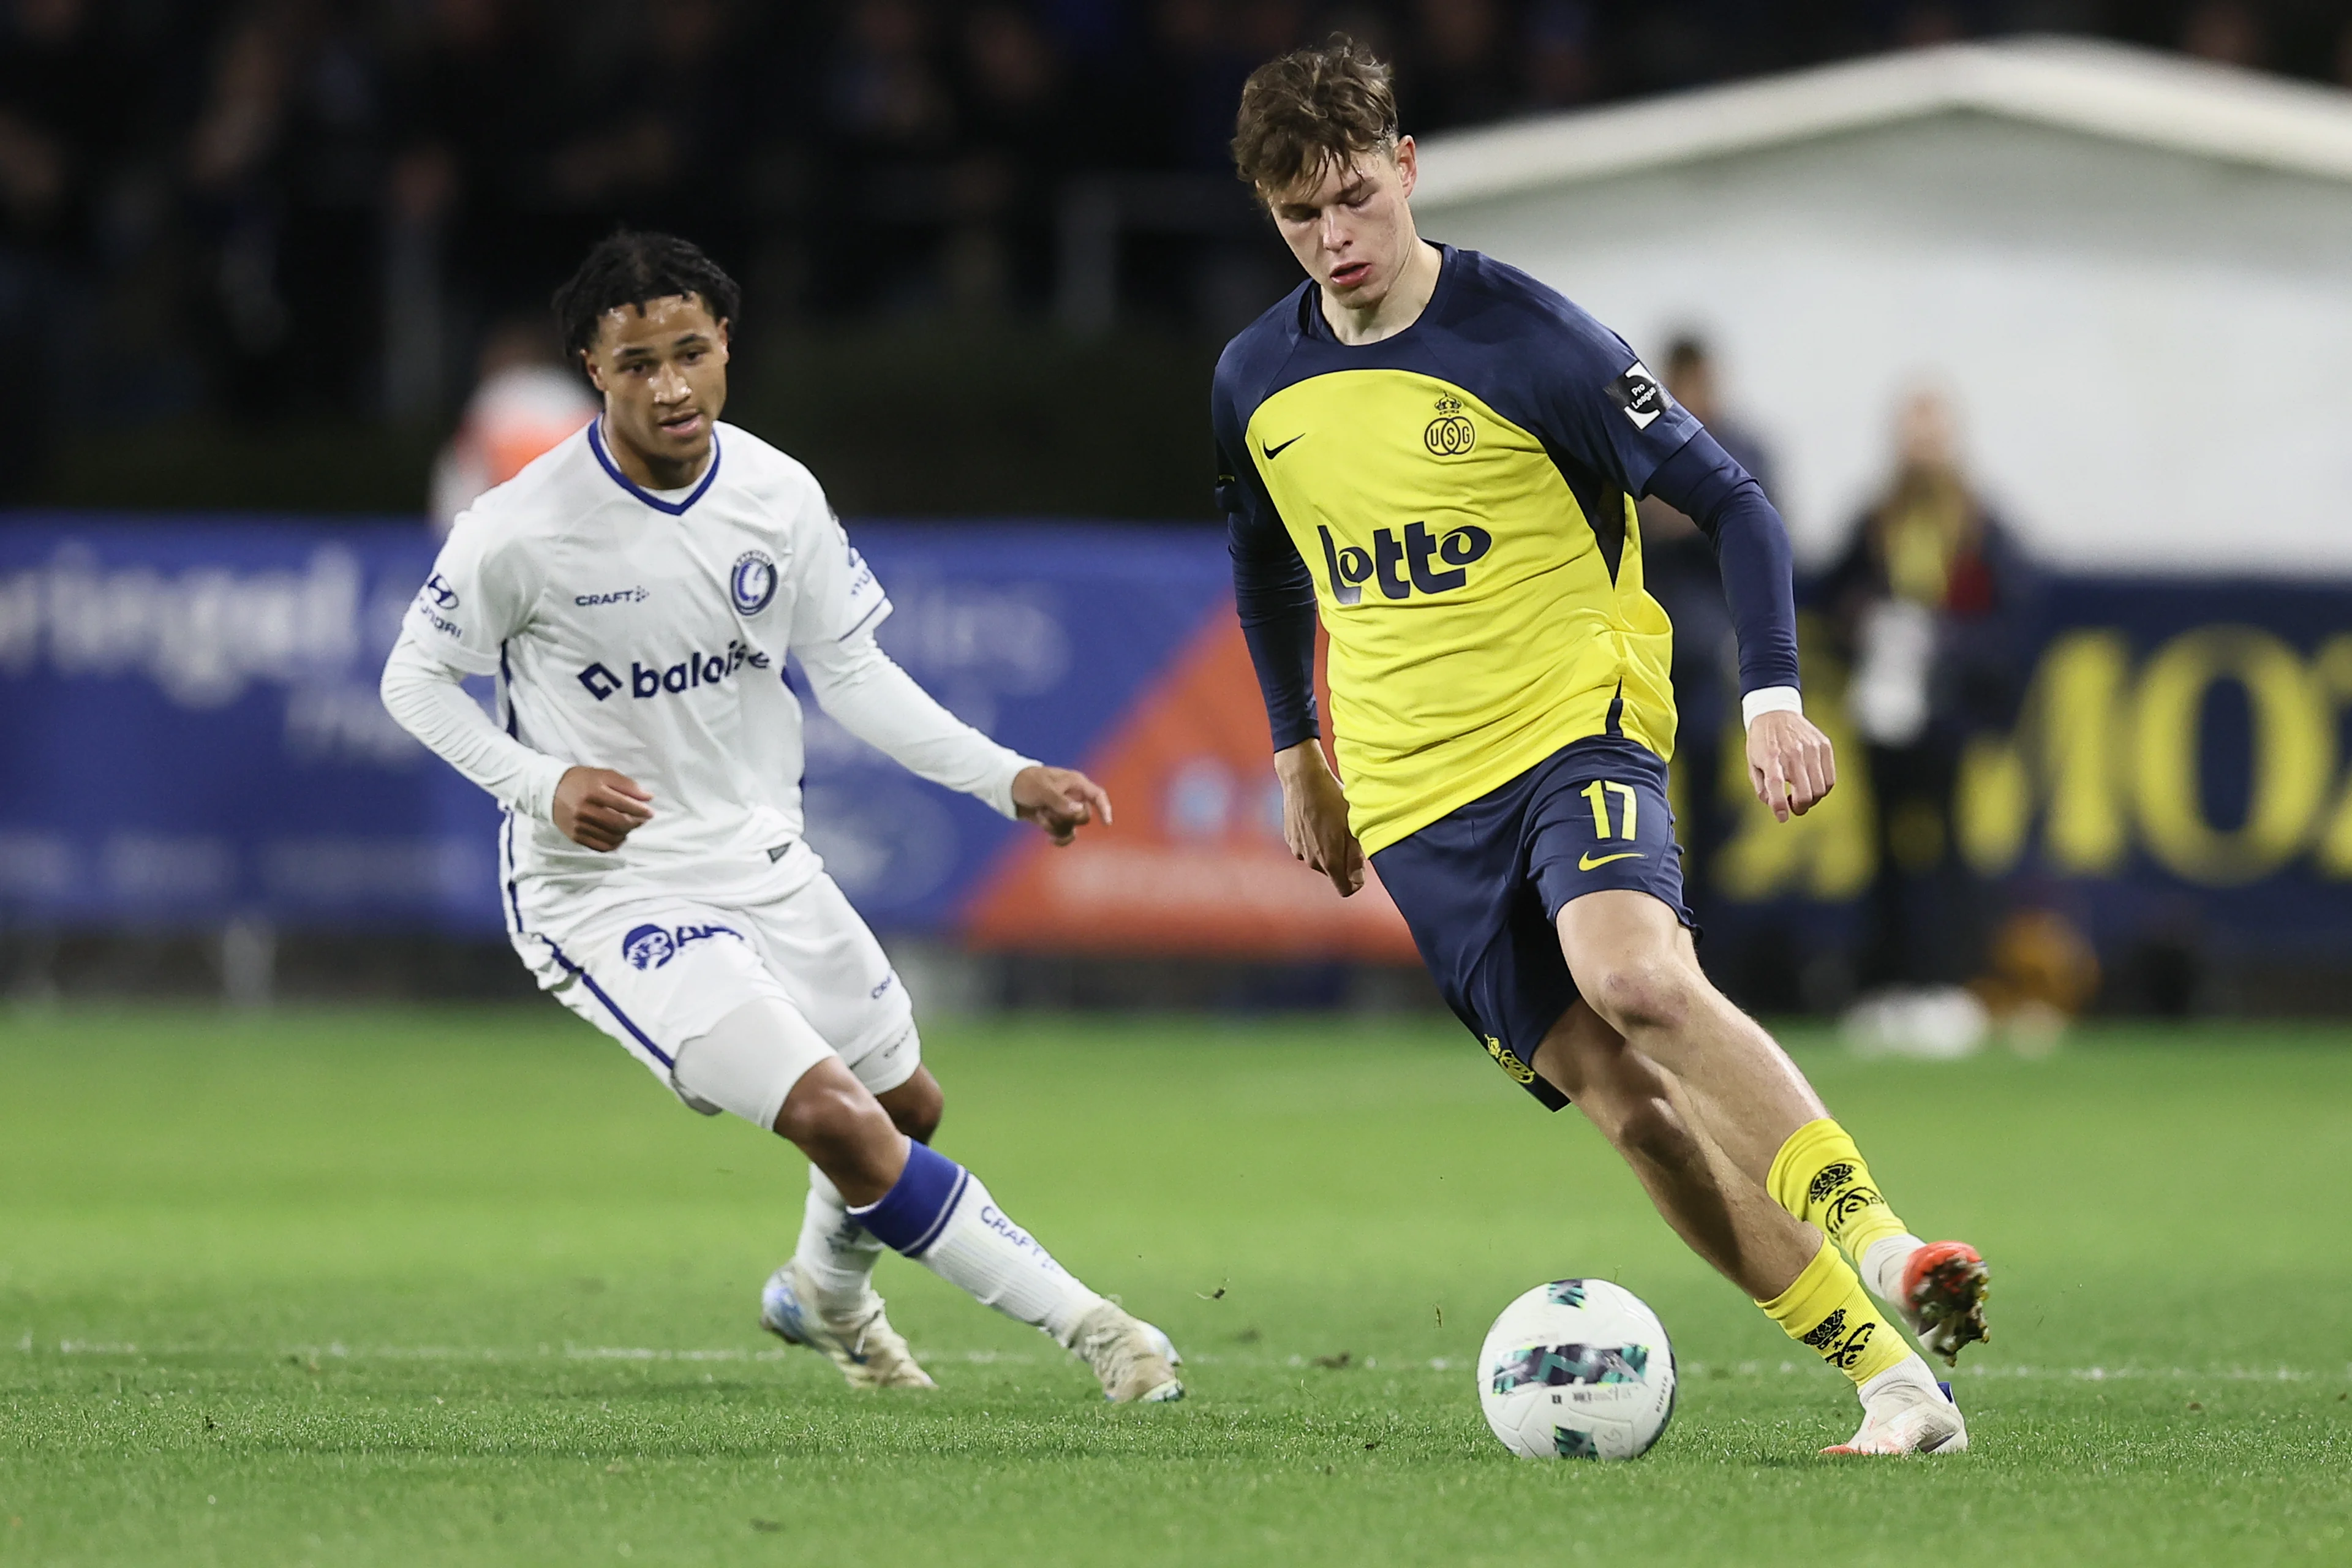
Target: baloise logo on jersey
x=695 y=671
x=1417 y=554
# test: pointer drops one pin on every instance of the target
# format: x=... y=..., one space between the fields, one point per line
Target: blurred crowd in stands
x=327 y=207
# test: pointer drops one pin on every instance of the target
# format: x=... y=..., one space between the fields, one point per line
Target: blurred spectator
x=55 y=136
x=1457 y=70
x=1559 y=53
x=1929 y=23
x=1678 y=567
x=2227 y=32
x=526 y=402
x=1931 y=603
x=292 y=208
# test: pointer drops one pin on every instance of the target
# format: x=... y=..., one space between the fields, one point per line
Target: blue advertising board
x=189 y=732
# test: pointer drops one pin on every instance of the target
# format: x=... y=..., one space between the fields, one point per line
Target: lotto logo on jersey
x=694 y=672
x=1403 y=567
x=651 y=946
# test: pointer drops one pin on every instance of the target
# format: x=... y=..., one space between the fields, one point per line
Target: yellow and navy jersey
x=1461 y=497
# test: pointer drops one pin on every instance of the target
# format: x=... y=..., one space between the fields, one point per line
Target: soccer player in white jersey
x=635 y=592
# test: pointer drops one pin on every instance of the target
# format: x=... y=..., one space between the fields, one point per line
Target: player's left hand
x=1790 y=765
x=1059 y=800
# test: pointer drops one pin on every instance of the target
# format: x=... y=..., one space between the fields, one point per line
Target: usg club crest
x=752 y=582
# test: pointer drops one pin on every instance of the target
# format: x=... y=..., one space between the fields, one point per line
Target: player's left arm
x=869 y=695
x=839 y=604
x=1614 y=417
x=1790 y=763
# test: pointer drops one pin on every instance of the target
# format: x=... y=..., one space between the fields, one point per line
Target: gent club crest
x=752 y=582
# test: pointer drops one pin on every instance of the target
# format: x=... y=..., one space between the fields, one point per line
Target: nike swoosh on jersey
x=1274 y=452
x=1586 y=863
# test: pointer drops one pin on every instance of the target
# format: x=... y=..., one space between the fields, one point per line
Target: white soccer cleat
x=860 y=1341
x=1903 y=1418
x=1134 y=1361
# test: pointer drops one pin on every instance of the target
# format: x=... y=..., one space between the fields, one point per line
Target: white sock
x=1882 y=1266
x=984 y=1254
x=1908 y=1380
x=836 y=1252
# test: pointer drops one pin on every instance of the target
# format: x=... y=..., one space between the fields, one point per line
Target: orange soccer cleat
x=1943 y=1288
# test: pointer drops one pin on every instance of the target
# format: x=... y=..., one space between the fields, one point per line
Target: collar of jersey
x=675 y=508
x=1315 y=328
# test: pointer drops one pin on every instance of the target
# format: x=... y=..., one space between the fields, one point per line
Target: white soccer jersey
x=646 y=632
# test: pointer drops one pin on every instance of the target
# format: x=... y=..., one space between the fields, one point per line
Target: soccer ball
x=1576 y=1369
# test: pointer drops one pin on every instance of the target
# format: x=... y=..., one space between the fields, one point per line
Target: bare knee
x=844 y=1129
x=1643 y=997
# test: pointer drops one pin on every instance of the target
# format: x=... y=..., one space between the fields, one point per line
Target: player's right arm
x=1274 y=597
x=478 y=596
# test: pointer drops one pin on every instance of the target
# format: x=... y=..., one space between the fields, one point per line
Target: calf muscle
x=1645 y=1112
x=1635 y=965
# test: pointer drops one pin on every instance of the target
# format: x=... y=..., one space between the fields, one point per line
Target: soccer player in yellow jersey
x=1441 y=455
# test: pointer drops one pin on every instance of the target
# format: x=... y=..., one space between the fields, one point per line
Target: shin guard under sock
x=1819 y=1176
x=1826 y=1311
x=944 y=1217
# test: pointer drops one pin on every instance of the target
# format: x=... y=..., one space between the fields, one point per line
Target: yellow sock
x=1819 y=1176
x=1827 y=1310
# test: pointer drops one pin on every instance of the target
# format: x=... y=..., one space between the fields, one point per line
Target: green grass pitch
x=465 y=1287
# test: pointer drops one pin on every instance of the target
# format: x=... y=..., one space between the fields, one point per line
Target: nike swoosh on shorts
x=1586 y=863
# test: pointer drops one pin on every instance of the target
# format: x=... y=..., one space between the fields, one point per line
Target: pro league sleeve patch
x=1637 y=392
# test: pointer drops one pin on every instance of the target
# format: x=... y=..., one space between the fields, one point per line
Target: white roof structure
x=2133 y=271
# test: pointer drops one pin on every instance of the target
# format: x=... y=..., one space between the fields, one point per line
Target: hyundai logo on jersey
x=437 y=589
x=1351 y=568
x=753 y=582
x=651 y=946
x=695 y=669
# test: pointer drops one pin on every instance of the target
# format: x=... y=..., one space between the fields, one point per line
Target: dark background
x=249 y=252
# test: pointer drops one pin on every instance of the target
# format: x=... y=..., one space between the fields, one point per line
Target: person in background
x=1678 y=567
x=525 y=404
x=1930 y=602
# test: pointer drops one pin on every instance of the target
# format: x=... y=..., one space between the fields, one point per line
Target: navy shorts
x=1483 y=886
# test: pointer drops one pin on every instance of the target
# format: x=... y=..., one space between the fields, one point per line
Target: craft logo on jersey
x=695 y=670
x=651 y=946
x=1451 y=434
x=1406 y=566
x=753 y=582
x=1637 y=392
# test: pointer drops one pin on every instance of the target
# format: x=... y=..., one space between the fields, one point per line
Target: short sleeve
x=839 y=593
x=1610 y=413
x=478 y=596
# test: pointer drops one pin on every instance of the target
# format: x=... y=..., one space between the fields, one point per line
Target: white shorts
x=658 y=972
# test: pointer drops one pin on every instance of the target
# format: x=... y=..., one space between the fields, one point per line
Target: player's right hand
x=599 y=808
x=1315 y=816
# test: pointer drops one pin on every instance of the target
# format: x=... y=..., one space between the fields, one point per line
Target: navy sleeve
x=1603 y=411
x=1273 y=592
x=1706 y=484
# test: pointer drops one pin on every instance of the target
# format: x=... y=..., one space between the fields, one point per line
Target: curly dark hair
x=1310 y=108
x=630 y=268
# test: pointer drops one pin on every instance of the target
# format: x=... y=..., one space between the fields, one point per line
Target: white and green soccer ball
x=1578 y=1368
